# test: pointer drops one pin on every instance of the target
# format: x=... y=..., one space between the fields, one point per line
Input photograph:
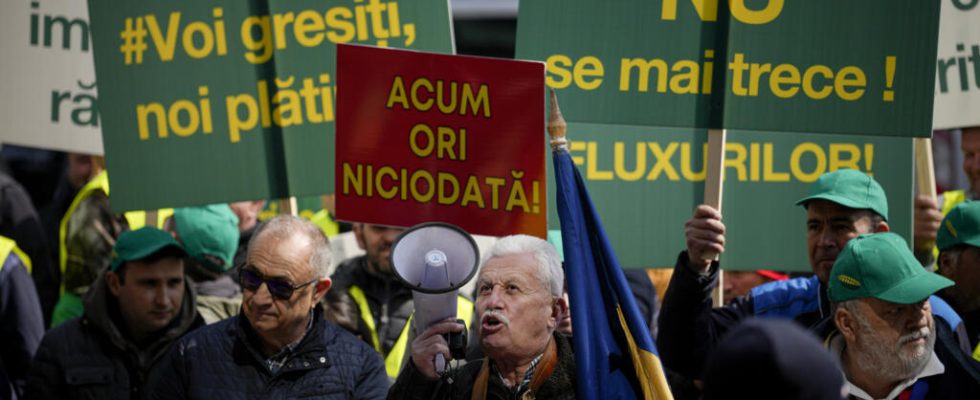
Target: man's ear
x=359 y=235
x=320 y=289
x=559 y=309
x=946 y=266
x=882 y=226
x=112 y=281
x=846 y=324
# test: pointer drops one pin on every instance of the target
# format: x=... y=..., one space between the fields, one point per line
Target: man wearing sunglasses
x=280 y=346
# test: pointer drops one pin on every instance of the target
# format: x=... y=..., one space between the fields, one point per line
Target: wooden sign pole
x=925 y=171
x=713 y=185
x=288 y=206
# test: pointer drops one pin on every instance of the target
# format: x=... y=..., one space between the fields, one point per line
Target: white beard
x=892 y=362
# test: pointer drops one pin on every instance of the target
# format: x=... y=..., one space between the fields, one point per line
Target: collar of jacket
x=310 y=353
x=825 y=311
x=559 y=381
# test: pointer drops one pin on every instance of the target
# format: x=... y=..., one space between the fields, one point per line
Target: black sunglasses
x=278 y=287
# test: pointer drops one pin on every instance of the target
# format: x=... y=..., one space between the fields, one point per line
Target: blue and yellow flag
x=614 y=354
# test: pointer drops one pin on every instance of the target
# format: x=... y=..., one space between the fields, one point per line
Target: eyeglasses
x=278 y=287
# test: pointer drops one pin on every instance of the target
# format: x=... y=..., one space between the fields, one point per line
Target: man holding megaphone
x=519 y=304
x=383 y=303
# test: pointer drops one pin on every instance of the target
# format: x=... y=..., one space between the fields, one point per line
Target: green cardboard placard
x=835 y=66
x=646 y=181
x=640 y=143
x=205 y=102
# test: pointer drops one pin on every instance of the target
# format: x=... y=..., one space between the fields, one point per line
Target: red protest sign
x=434 y=137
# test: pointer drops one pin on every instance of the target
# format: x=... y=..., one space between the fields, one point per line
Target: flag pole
x=556 y=125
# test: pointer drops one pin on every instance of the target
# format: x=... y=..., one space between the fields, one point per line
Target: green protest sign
x=48 y=78
x=225 y=100
x=778 y=75
x=646 y=181
x=958 y=66
x=770 y=65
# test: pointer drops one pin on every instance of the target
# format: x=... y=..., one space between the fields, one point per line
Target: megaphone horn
x=435 y=259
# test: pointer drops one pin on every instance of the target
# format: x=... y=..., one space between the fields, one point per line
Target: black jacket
x=458 y=384
x=390 y=301
x=222 y=361
x=690 y=328
x=90 y=358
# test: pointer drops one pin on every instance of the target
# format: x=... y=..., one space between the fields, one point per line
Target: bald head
x=284 y=227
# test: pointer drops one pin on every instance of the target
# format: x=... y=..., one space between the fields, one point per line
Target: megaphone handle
x=440 y=363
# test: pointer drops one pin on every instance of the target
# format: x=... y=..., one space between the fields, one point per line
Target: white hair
x=548 y=261
x=285 y=226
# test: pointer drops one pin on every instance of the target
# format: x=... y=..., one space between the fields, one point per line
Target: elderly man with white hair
x=519 y=303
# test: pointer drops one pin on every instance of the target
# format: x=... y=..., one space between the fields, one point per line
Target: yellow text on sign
x=744 y=162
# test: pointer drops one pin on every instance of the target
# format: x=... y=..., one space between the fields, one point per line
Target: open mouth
x=491 y=324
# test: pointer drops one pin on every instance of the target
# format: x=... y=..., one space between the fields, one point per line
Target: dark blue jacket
x=222 y=361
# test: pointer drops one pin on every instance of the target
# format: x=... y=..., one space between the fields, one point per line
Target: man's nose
x=390 y=235
x=262 y=295
x=827 y=238
x=161 y=296
x=918 y=313
x=493 y=299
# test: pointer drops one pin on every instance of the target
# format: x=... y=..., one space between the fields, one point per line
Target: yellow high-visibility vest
x=326 y=223
x=396 y=356
x=136 y=219
x=951 y=199
x=8 y=246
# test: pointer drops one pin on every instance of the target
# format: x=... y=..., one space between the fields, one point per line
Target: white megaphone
x=435 y=259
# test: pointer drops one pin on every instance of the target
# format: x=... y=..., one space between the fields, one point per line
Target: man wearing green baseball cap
x=840 y=206
x=209 y=234
x=134 y=312
x=958 y=241
x=883 y=327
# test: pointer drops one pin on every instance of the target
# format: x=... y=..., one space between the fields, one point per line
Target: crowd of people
x=209 y=302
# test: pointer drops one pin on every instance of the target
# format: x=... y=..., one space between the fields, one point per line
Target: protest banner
x=431 y=137
x=778 y=66
x=48 y=77
x=644 y=83
x=226 y=100
x=958 y=65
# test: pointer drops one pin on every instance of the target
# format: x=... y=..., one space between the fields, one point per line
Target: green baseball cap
x=141 y=243
x=209 y=234
x=961 y=226
x=882 y=266
x=849 y=188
